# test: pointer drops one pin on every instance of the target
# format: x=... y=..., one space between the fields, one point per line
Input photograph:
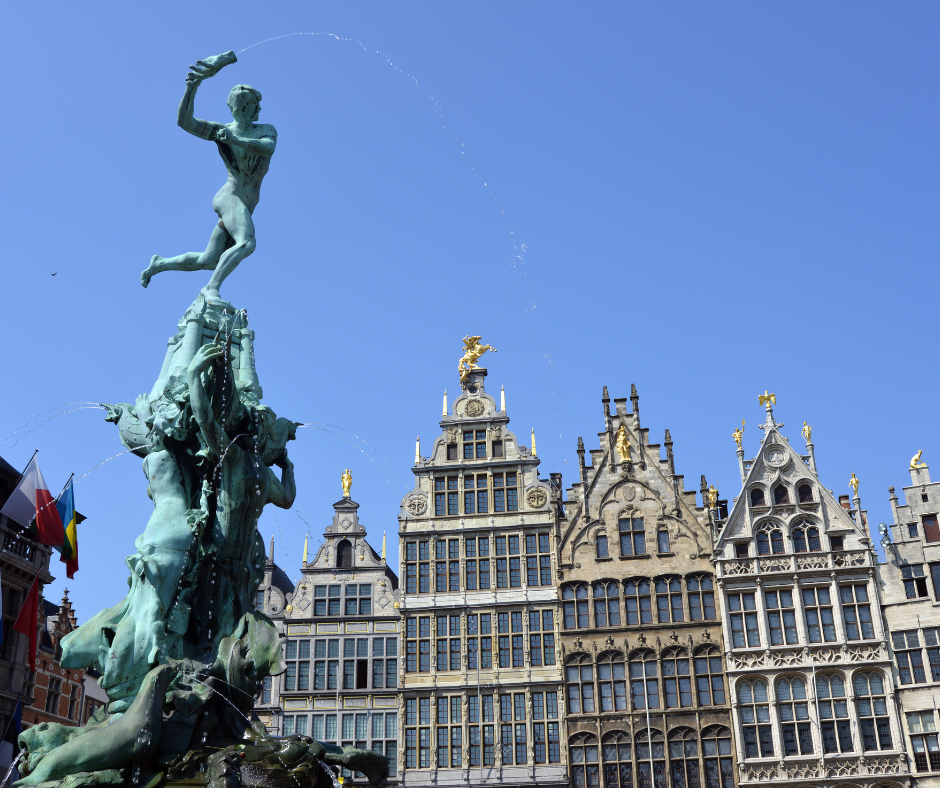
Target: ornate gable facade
x=806 y=650
x=481 y=682
x=646 y=698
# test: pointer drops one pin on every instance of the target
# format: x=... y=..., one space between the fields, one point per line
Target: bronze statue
x=246 y=148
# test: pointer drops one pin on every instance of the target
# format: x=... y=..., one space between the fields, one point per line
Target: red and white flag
x=32 y=498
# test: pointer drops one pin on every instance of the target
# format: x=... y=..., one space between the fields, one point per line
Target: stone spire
x=502 y=399
x=444 y=414
x=418 y=450
x=533 y=443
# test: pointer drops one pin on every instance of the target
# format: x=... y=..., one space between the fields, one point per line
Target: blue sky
x=706 y=200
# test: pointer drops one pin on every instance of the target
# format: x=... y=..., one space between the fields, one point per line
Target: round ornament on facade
x=416 y=505
x=537 y=497
x=776 y=458
x=474 y=408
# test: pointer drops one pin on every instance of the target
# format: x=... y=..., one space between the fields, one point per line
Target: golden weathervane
x=347 y=482
x=472 y=350
x=767 y=397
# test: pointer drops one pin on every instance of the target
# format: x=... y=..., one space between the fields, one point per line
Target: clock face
x=776 y=457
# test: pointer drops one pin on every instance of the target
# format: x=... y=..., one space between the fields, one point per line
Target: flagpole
x=65 y=486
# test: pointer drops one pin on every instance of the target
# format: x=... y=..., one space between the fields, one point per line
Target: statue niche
x=344 y=555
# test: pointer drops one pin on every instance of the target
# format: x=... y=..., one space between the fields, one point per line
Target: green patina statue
x=183 y=654
x=246 y=148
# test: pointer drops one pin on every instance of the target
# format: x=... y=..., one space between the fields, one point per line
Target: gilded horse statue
x=472 y=350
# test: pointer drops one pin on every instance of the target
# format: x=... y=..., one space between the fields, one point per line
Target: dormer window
x=805 y=493
x=474 y=444
x=781 y=494
x=757 y=497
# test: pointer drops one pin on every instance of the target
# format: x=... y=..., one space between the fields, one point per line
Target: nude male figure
x=246 y=148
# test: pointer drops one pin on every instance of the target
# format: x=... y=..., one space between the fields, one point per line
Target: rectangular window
x=932 y=639
x=856 y=612
x=820 y=624
x=935 y=575
x=909 y=658
x=931 y=530
x=632 y=536
x=915 y=584
x=499 y=493
x=501 y=573
x=743 y=620
x=781 y=617
x=512 y=503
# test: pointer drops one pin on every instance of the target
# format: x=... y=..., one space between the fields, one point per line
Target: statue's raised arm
x=185 y=115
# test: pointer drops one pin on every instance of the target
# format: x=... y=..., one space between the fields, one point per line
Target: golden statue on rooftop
x=767 y=397
x=853 y=483
x=738 y=434
x=712 y=497
x=807 y=433
x=347 y=482
x=472 y=350
x=623 y=444
x=917 y=462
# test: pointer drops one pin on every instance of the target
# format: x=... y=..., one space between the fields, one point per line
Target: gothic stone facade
x=647 y=702
x=482 y=691
x=808 y=661
x=341 y=644
x=910 y=584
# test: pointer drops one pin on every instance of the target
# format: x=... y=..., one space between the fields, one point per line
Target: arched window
x=757 y=497
x=769 y=540
x=806 y=535
x=781 y=494
x=701 y=597
x=683 y=758
x=575 y=602
x=805 y=493
x=716 y=747
x=582 y=748
x=709 y=677
x=344 y=555
x=755 y=719
x=833 y=714
x=794 y=716
x=669 y=599
x=602 y=551
x=618 y=765
x=579 y=673
x=644 y=680
x=606 y=604
x=677 y=682
x=872 y=711
x=639 y=607
x=650 y=747
x=611 y=679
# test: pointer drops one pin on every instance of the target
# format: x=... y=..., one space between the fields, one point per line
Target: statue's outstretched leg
x=191 y=261
x=237 y=220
